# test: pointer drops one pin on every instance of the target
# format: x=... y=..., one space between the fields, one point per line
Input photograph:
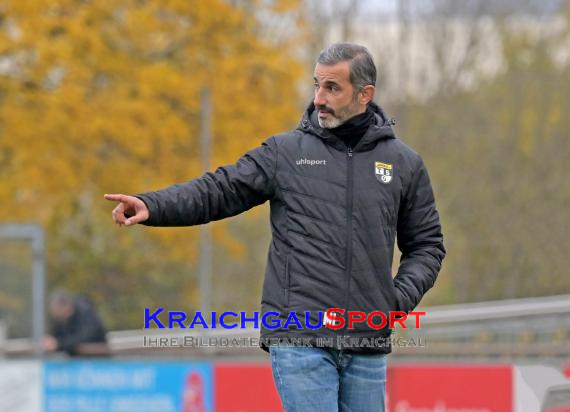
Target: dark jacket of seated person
x=75 y=323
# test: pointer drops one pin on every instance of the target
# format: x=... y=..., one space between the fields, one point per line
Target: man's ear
x=366 y=95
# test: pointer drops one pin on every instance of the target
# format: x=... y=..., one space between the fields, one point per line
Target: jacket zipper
x=349 y=202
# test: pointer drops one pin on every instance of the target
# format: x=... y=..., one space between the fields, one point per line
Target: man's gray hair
x=361 y=67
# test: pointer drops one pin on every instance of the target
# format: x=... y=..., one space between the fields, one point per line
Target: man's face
x=61 y=312
x=335 y=99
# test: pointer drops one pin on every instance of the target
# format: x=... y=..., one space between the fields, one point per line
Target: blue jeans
x=311 y=379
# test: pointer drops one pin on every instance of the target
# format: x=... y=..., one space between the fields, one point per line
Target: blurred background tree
x=103 y=97
x=480 y=89
x=496 y=139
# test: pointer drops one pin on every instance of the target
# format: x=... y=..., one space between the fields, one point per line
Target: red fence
x=249 y=387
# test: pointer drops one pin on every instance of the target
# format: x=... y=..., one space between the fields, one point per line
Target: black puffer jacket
x=335 y=213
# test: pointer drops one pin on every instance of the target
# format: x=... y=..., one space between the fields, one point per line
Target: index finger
x=116 y=197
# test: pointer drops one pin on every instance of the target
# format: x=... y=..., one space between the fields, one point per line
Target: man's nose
x=319 y=99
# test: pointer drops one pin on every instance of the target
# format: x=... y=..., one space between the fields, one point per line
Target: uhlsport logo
x=311 y=162
x=383 y=172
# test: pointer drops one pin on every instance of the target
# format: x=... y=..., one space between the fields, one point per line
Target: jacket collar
x=381 y=129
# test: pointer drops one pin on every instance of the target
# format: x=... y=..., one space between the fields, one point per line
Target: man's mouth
x=323 y=113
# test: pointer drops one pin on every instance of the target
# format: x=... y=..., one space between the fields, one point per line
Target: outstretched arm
x=228 y=191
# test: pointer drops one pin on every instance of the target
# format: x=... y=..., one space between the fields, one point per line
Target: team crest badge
x=383 y=172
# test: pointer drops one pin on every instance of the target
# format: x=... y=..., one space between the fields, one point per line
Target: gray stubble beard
x=337 y=120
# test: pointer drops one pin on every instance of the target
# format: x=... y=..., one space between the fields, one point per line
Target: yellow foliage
x=102 y=97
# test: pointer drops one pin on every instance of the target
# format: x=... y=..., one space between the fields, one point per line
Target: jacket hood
x=381 y=129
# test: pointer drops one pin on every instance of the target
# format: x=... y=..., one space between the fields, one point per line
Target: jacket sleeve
x=230 y=190
x=419 y=239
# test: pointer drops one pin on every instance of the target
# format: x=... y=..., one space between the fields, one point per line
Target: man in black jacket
x=341 y=187
x=75 y=326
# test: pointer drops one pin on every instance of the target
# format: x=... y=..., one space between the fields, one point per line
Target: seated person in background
x=75 y=326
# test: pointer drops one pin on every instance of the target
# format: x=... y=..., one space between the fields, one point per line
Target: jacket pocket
x=388 y=224
x=401 y=305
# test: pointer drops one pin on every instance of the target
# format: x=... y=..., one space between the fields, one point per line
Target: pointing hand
x=130 y=211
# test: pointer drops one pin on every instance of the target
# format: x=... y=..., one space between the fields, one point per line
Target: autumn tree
x=104 y=96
